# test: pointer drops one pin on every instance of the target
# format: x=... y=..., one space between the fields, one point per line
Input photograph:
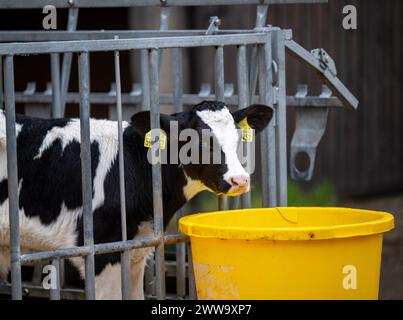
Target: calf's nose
x=239 y=181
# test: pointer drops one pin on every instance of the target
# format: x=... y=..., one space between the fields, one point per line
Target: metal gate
x=260 y=63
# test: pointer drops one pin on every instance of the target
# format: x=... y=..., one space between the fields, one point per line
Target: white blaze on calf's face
x=223 y=127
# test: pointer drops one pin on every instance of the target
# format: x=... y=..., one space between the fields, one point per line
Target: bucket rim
x=191 y=227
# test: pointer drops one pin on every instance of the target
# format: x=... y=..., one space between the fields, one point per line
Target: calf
x=50 y=198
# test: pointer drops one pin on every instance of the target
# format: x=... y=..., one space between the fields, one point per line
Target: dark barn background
x=361 y=153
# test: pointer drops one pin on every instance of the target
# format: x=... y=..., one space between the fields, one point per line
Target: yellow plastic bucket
x=287 y=253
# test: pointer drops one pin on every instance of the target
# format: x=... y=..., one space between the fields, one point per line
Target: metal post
x=165 y=13
x=83 y=73
x=55 y=74
x=1 y=84
x=278 y=45
x=219 y=95
x=242 y=72
x=192 y=283
x=125 y=255
x=12 y=177
x=149 y=276
x=261 y=18
x=145 y=80
x=156 y=177
x=268 y=136
x=67 y=58
x=55 y=293
x=181 y=247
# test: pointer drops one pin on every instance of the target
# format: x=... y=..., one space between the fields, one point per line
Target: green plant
x=320 y=195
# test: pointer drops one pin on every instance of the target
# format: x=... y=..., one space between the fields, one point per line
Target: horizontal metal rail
x=36 y=4
x=130 y=44
x=102 y=248
x=187 y=99
x=41 y=36
x=30 y=290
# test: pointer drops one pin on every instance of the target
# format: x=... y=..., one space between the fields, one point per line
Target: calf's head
x=208 y=139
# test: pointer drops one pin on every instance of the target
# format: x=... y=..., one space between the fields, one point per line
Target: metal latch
x=326 y=62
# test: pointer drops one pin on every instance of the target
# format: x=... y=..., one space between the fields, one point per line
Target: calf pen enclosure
x=261 y=74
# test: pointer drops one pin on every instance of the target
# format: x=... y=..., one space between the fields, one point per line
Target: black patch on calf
x=209 y=105
x=55 y=177
x=3 y=191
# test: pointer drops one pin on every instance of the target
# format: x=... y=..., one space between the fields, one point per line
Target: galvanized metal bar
x=157 y=178
x=129 y=44
x=30 y=258
x=278 y=45
x=261 y=18
x=1 y=84
x=192 y=283
x=101 y=248
x=177 y=67
x=149 y=274
x=83 y=72
x=27 y=4
x=55 y=75
x=40 y=36
x=178 y=105
x=145 y=80
x=165 y=13
x=219 y=95
x=268 y=136
x=55 y=292
x=67 y=59
x=34 y=291
x=125 y=255
x=167 y=98
x=12 y=177
x=242 y=75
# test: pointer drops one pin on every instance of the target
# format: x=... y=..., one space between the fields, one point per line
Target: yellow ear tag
x=162 y=143
x=247 y=131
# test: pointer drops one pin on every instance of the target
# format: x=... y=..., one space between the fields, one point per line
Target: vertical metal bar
x=125 y=255
x=178 y=80
x=268 y=136
x=55 y=293
x=278 y=45
x=149 y=276
x=55 y=74
x=62 y=274
x=83 y=73
x=242 y=73
x=192 y=284
x=219 y=95
x=156 y=177
x=165 y=13
x=67 y=59
x=145 y=80
x=1 y=83
x=12 y=177
x=178 y=105
x=261 y=18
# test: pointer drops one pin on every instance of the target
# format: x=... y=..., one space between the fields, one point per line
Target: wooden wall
x=362 y=151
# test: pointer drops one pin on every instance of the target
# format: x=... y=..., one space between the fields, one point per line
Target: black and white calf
x=50 y=202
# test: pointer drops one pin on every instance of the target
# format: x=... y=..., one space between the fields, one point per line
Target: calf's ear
x=257 y=116
x=141 y=122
